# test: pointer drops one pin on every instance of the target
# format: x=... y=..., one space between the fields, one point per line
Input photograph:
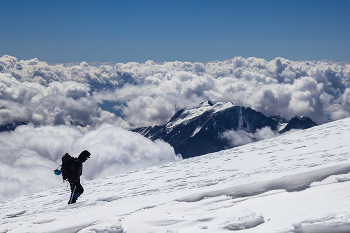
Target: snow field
x=295 y=183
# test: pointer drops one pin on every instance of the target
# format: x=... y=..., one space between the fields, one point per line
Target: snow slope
x=297 y=182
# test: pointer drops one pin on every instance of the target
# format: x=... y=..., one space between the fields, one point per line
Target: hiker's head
x=84 y=156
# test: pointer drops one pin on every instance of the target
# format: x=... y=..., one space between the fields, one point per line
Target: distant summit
x=298 y=123
x=199 y=130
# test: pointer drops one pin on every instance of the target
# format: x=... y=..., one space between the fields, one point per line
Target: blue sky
x=198 y=30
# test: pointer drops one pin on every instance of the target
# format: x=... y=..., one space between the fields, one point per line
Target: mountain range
x=197 y=131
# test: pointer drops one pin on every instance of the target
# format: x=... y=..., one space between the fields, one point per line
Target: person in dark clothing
x=74 y=179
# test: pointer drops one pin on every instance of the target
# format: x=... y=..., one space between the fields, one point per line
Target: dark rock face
x=198 y=131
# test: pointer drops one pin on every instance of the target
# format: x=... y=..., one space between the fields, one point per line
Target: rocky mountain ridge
x=198 y=131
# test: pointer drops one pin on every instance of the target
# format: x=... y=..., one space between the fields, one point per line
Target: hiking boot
x=73 y=201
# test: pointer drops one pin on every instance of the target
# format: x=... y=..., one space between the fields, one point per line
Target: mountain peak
x=298 y=122
x=206 y=103
x=202 y=113
x=199 y=130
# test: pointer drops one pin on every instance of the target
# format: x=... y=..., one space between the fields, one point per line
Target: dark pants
x=76 y=191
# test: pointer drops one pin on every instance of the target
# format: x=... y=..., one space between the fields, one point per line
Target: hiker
x=74 y=178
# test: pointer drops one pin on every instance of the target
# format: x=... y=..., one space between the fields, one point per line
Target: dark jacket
x=77 y=168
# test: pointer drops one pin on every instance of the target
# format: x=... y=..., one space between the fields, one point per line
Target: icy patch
x=323 y=228
x=343 y=179
x=104 y=228
x=290 y=183
x=196 y=131
x=244 y=222
x=281 y=126
x=43 y=221
x=74 y=229
x=330 y=224
x=166 y=222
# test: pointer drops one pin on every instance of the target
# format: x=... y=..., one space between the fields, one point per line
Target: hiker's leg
x=71 y=200
x=72 y=185
x=78 y=190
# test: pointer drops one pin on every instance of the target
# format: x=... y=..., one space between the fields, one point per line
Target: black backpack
x=66 y=166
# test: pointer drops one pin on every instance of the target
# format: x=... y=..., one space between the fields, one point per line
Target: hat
x=84 y=155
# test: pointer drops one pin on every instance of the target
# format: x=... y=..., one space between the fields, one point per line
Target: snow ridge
x=290 y=183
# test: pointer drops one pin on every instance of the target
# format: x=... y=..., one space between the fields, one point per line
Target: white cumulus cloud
x=142 y=94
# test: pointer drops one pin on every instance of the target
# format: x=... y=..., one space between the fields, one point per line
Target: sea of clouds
x=62 y=108
x=142 y=94
x=28 y=155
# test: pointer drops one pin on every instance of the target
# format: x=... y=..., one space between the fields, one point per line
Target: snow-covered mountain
x=294 y=183
x=199 y=130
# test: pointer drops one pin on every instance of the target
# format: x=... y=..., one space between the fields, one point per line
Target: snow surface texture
x=295 y=183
